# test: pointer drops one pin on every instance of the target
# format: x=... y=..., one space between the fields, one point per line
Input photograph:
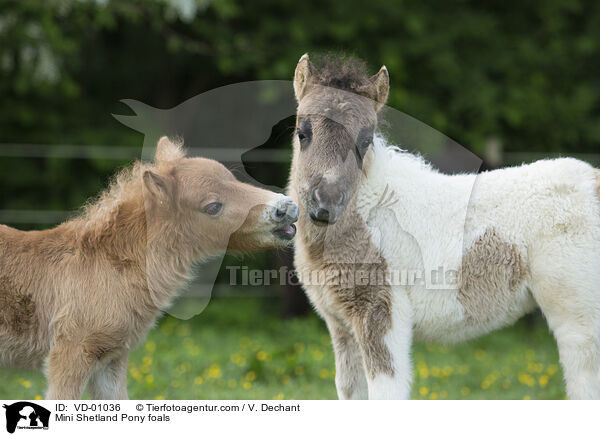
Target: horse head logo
x=26 y=415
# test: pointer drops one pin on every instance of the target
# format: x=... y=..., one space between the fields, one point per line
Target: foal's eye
x=363 y=145
x=304 y=132
x=213 y=208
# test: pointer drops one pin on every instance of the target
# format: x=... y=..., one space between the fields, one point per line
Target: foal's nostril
x=285 y=210
x=322 y=214
x=280 y=212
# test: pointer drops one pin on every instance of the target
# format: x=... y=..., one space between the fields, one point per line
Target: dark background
x=510 y=80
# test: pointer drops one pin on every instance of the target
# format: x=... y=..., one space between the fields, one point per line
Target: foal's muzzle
x=327 y=203
x=284 y=214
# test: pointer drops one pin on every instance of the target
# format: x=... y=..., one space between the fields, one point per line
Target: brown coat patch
x=360 y=290
x=17 y=309
x=490 y=274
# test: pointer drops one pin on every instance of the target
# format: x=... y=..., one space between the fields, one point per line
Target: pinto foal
x=77 y=298
x=514 y=239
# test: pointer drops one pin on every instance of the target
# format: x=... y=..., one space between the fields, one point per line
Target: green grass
x=241 y=349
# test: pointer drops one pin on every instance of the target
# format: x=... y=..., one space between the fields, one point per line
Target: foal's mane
x=125 y=186
x=341 y=71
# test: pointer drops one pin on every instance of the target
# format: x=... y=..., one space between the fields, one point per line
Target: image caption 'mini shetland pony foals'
x=77 y=298
x=518 y=238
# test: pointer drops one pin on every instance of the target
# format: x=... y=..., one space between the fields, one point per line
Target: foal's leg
x=110 y=381
x=350 y=380
x=571 y=304
x=69 y=368
x=386 y=354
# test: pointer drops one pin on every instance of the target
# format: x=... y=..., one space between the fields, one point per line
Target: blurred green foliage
x=523 y=72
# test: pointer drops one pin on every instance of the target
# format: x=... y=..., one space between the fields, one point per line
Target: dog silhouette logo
x=26 y=415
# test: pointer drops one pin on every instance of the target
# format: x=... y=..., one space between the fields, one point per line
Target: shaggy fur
x=499 y=244
x=77 y=298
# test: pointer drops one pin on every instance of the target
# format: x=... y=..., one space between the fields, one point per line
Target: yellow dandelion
x=146 y=360
x=535 y=367
x=149 y=378
x=214 y=371
x=527 y=397
x=422 y=370
x=447 y=371
x=526 y=379
x=485 y=384
x=435 y=371
x=198 y=380
x=37 y=397
x=318 y=354
x=150 y=347
x=251 y=376
x=551 y=370
x=423 y=391
x=543 y=381
x=25 y=383
x=261 y=355
x=279 y=396
x=324 y=373
x=135 y=373
x=159 y=397
x=433 y=396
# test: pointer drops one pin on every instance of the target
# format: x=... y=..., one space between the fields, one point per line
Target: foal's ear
x=159 y=186
x=381 y=87
x=167 y=150
x=303 y=76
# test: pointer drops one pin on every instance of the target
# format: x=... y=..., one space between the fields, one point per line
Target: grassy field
x=241 y=349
